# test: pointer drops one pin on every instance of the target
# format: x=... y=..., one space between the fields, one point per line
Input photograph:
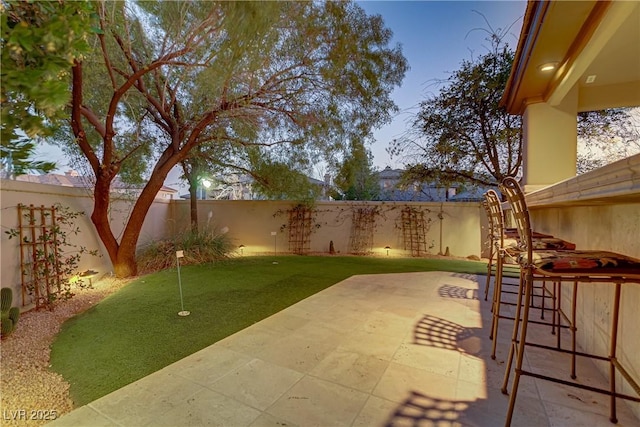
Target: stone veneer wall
x=614 y=227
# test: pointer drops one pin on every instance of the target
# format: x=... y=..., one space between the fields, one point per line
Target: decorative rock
x=25 y=357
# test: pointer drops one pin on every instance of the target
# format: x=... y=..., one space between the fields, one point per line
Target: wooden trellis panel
x=414 y=231
x=300 y=223
x=39 y=274
x=362 y=228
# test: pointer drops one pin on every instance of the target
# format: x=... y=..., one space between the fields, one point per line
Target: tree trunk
x=123 y=255
x=100 y=216
x=193 y=204
x=125 y=265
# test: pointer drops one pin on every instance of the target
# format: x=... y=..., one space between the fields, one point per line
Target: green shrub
x=199 y=247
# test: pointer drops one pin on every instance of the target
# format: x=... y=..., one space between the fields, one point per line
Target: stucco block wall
x=250 y=223
x=76 y=199
x=605 y=227
x=456 y=226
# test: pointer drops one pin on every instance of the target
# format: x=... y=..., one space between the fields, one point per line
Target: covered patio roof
x=572 y=56
x=589 y=44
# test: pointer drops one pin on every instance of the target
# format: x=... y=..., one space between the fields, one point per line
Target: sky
x=436 y=36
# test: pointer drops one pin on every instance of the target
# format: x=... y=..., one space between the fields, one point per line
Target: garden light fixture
x=89 y=274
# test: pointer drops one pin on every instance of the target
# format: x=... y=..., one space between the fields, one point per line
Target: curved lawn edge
x=137 y=330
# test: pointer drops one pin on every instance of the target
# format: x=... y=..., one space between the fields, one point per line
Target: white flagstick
x=180 y=254
x=275 y=240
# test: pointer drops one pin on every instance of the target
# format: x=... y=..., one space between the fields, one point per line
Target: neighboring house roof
x=475 y=194
x=316 y=182
x=388 y=180
x=168 y=189
x=388 y=173
x=66 y=180
x=593 y=46
x=427 y=194
x=73 y=179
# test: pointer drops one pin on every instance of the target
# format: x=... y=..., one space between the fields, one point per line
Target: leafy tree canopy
x=40 y=41
x=461 y=134
x=606 y=136
x=294 y=79
x=356 y=179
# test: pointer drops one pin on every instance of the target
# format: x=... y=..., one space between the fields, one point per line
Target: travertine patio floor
x=374 y=350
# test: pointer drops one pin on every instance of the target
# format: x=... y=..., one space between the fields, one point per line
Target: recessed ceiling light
x=549 y=66
x=591 y=78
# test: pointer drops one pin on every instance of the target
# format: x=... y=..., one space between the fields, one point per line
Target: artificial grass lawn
x=137 y=331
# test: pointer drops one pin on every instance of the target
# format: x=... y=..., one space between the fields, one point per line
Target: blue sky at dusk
x=436 y=36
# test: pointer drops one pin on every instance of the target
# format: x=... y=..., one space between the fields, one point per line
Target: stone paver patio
x=374 y=350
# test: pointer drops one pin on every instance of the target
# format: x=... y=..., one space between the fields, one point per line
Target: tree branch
x=76 y=117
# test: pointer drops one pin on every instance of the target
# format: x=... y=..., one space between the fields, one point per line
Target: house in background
x=237 y=186
x=391 y=190
x=231 y=187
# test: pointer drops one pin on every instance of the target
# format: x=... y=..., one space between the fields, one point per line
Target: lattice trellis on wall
x=414 y=230
x=362 y=228
x=39 y=271
x=300 y=227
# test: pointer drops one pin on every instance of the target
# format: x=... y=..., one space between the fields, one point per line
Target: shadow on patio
x=374 y=350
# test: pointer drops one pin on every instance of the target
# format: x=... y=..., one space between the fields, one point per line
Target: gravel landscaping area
x=32 y=395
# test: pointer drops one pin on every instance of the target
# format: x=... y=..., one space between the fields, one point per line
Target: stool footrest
x=634 y=385
x=564 y=350
x=579 y=385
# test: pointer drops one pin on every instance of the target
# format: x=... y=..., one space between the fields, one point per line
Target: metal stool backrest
x=511 y=189
x=493 y=208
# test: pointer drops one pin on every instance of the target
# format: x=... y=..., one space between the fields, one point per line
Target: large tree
x=295 y=79
x=462 y=134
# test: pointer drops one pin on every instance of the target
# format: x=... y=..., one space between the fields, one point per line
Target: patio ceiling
x=594 y=45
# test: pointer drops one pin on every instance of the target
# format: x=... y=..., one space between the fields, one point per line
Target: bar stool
x=500 y=236
x=505 y=244
x=496 y=235
x=564 y=266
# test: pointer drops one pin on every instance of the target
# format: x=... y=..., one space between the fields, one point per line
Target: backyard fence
x=371 y=228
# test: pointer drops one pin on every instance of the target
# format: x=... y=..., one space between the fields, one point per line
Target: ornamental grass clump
x=199 y=247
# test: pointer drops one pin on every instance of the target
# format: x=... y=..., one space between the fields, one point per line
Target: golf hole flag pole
x=183 y=312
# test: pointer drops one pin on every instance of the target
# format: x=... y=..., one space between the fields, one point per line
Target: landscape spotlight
x=89 y=274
